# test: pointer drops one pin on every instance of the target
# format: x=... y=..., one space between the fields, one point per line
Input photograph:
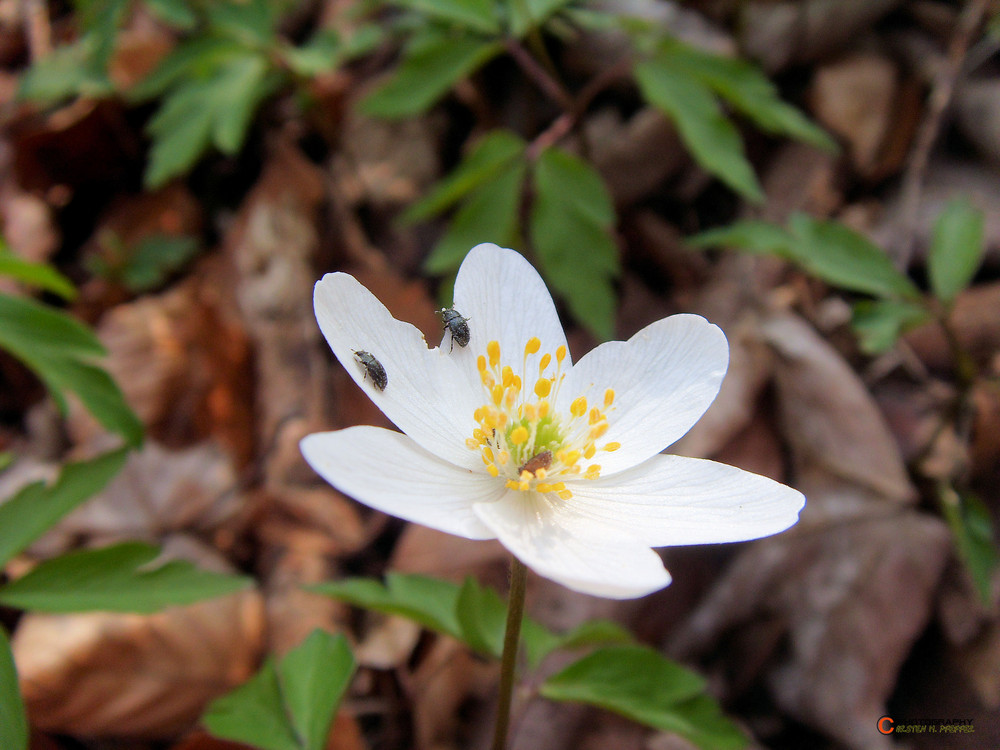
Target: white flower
x=506 y=438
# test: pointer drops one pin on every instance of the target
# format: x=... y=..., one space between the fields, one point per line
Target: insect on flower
x=559 y=460
x=373 y=369
x=456 y=325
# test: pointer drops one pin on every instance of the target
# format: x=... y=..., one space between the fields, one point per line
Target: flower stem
x=511 y=639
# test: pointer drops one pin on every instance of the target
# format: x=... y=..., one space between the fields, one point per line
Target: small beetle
x=373 y=368
x=541 y=460
x=456 y=325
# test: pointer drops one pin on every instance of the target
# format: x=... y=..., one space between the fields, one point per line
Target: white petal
x=664 y=378
x=505 y=300
x=427 y=395
x=391 y=473
x=676 y=500
x=570 y=550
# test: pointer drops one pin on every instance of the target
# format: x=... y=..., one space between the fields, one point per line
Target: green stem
x=511 y=639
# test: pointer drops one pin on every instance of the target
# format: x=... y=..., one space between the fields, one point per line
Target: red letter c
x=886 y=725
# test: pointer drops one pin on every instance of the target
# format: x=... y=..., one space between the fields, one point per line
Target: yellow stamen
x=543 y=409
x=589 y=453
x=565 y=495
x=493 y=349
x=561 y=353
x=611 y=447
x=593 y=472
x=493 y=471
x=533 y=345
x=471 y=444
x=543 y=387
x=546 y=359
x=518 y=435
x=503 y=458
x=598 y=430
x=596 y=415
x=481 y=363
x=497 y=394
x=487 y=454
x=609 y=397
x=579 y=407
x=507 y=376
x=530 y=413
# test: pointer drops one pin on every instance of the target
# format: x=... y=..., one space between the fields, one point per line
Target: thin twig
x=511 y=640
x=940 y=98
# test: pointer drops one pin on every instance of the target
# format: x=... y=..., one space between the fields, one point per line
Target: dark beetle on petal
x=373 y=368
x=456 y=325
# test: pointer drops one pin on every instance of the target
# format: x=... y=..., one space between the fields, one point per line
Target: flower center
x=520 y=436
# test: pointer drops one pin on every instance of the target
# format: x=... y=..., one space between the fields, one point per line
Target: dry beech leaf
x=105 y=674
x=831 y=421
x=183 y=361
x=158 y=491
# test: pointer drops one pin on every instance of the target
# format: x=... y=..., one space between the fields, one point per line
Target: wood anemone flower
x=506 y=438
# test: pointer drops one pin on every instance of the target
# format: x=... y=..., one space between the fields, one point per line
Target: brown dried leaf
x=103 y=674
x=832 y=423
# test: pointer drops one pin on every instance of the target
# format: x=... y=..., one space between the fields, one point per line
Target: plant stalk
x=511 y=640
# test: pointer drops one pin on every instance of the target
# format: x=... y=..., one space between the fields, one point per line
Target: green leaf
x=748 y=90
x=539 y=641
x=290 y=707
x=38 y=275
x=254 y=714
x=750 y=236
x=193 y=60
x=477 y=15
x=956 y=249
x=174 y=13
x=972 y=529
x=879 y=323
x=490 y=214
x=432 y=63
x=251 y=22
x=37 y=507
x=121 y=578
x=155 y=259
x=572 y=218
x=482 y=618
x=13 y=720
x=58 y=349
x=424 y=600
x=538 y=12
x=198 y=112
x=842 y=257
x=640 y=684
x=314 y=677
x=65 y=72
x=712 y=139
x=496 y=150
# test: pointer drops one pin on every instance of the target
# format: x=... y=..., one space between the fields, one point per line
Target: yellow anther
x=559 y=487
x=487 y=454
x=533 y=345
x=593 y=472
x=471 y=444
x=569 y=457
x=502 y=419
x=579 y=407
x=526 y=476
x=589 y=453
x=543 y=387
x=493 y=471
x=497 y=394
x=543 y=487
x=565 y=495
x=487 y=379
x=524 y=485
x=479 y=435
x=543 y=409
x=546 y=360
x=597 y=430
x=481 y=363
x=516 y=384
x=507 y=377
x=541 y=473
x=530 y=412
x=486 y=460
x=609 y=397
x=493 y=349
x=611 y=447
x=489 y=421
x=503 y=458
x=561 y=353
x=518 y=435
x=510 y=397
x=511 y=484
x=596 y=415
